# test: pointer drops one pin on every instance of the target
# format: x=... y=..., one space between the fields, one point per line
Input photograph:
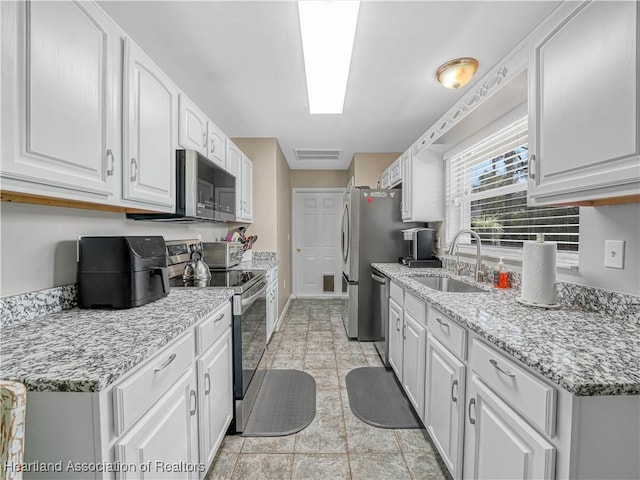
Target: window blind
x=487 y=192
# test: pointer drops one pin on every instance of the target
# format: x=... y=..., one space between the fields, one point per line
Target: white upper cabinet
x=150 y=130
x=395 y=173
x=234 y=167
x=217 y=145
x=584 y=107
x=59 y=98
x=192 y=126
x=423 y=185
x=247 y=189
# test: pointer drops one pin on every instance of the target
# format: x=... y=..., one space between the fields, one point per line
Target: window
x=487 y=192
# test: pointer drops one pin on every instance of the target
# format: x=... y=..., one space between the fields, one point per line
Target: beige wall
x=283 y=183
x=366 y=168
x=271 y=206
x=262 y=151
x=319 y=178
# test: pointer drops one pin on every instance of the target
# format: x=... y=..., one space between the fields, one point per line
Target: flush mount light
x=328 y=29
x=457 y=73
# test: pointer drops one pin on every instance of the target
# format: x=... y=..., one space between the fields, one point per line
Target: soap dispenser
x=500 y=276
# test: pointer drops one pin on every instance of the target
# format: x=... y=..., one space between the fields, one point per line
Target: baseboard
x=284 y=311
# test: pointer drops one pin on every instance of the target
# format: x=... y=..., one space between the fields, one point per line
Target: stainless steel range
x=249 y=327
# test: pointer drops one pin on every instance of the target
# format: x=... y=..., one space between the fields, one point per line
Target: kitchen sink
x=444 y=284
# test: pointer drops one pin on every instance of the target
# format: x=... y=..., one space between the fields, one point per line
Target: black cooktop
x=221 y=279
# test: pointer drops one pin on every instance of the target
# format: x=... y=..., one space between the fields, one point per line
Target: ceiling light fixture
x=457 y=73
x=328 y=29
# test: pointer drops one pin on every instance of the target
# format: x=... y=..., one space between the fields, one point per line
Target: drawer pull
x=398 y=324
x=192 y=394
x=207 y=380
x=453 y=387
x=442 y=323
x=219 y=318
x=472 y=420
x=505 y=372
x=171 y=358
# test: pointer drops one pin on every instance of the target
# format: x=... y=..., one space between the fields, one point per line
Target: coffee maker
x=421 y=248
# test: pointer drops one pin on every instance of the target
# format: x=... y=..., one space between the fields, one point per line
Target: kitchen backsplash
x=27 y=306
x=620 y=306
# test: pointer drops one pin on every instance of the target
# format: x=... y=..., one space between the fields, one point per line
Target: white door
x=499 y=443
x=192 y=126
x=168 y=433
x=59 y=119
x=444 y=403
x=317 y=257
x=395 y=338
x=413 y=354
x=150 y=114
x=215 y=388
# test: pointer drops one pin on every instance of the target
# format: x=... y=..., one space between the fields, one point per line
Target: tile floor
x=336 y=445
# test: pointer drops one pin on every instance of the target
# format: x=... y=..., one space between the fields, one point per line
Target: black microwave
x=204 y=192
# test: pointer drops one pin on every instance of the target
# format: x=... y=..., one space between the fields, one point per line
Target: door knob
x=298 y=250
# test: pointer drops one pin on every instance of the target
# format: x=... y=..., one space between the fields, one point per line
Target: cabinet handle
x=171 y=358
x=472 y=420
x=207 y=382
x=219 y=318
x=213 y=146
x=532 y=168
x=134 y=169
x=497 y=367
x=192 y=394
x=404 y=331
x=111 y=161
x=442 y=323
x=204 y=140
x=398 y=324
x=453 y=387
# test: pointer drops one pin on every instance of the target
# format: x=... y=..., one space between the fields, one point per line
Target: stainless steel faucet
x=479 y=270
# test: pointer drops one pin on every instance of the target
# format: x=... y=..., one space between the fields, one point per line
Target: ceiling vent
x=306 y=154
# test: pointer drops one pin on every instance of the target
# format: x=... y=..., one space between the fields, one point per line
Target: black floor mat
x=285 y=404
x=376 y=398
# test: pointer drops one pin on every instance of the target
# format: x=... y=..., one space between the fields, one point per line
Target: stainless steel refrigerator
x=371 y=232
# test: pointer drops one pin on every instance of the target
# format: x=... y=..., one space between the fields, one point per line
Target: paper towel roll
x=539 y=272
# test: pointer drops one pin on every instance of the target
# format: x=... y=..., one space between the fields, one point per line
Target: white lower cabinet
x=444 y=404
x=395 y=337
x=215 y=396
x=272 y=301
x=413 y=361
x=166 y=437
x=499 y=443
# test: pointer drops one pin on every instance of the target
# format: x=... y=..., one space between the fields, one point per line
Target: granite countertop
x=584 y=352
x=82 y=350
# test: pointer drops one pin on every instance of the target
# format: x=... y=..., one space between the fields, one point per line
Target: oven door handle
x=248 y=301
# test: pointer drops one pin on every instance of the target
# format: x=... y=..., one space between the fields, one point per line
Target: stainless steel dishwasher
x=380 y=313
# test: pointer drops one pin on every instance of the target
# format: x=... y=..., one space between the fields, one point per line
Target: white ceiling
x=242 y=63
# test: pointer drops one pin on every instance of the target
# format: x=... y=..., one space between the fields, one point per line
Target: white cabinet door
x=234 y=167
x=150 y=131
x=192 y=126
x=215 y=394
x=59 y=97
x=413 y=363
x=499 y=444
x=247 y=189
x=217 y=145
x=395 y=173
x=584 y=131
x=385 y=179
x=167 y=433
x=444 y=404
x=407 y=188
x=395 y=338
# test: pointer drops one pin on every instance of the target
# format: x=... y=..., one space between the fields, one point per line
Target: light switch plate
x=614 y=253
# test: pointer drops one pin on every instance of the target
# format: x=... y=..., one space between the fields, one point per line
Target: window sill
x=564 y=261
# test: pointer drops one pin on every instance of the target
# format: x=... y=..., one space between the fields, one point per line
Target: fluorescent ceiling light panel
x=328 y=29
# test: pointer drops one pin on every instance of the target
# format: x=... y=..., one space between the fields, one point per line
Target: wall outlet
x=614 y=253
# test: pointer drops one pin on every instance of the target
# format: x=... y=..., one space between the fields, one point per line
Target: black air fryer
x=121 y=272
